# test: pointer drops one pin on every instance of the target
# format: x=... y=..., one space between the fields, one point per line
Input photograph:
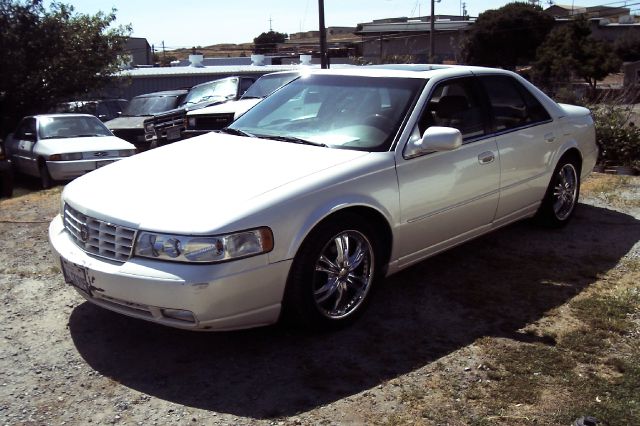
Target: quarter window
x=512 y=105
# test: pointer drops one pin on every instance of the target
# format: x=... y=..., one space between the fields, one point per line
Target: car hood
x=134 y=122
x=238 y=108
x=199 y=185
x=86 y=144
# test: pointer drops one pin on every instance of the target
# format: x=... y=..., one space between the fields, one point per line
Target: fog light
x=179 y=314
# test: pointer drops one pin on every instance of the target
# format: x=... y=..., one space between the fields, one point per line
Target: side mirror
x=434 y=139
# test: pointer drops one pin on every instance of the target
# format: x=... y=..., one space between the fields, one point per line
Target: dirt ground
x=501 y=330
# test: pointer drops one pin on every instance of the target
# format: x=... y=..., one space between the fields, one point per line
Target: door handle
x=549 y=137
x=486 y=157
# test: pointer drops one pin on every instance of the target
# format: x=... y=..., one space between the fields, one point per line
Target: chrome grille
x=98 y=237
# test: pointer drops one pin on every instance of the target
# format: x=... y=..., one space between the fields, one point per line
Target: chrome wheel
x=565 y=191
x=343 y=274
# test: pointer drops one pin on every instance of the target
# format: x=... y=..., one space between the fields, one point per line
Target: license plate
x=75 y=275
x=103 y=163
x=173 y=133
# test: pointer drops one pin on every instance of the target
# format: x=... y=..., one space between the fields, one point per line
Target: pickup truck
x=129 y=126
x=169 y=126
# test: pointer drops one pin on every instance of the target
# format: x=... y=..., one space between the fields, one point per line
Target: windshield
x=223 y=89
x=149 y=105
x=351 y=112
x=267 y=84
x=71 y=127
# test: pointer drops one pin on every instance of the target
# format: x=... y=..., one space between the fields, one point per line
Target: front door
x=450 y=196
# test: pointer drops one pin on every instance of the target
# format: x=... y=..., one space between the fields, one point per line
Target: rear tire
x=561 y=198
x=6 y=184
x=332 y=274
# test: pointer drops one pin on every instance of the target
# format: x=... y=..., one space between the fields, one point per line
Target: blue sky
x=187 y=23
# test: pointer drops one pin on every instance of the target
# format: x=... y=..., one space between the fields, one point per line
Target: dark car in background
x=169 y=126
x=104 y=109
x=129 y=126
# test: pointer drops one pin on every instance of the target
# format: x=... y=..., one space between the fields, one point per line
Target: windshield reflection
x=350 y=112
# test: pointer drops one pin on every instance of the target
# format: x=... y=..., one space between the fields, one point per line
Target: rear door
x=526 y=137
x=24 y=141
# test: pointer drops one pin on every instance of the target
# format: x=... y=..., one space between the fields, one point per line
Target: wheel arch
x=377 y=219
x=570 y=150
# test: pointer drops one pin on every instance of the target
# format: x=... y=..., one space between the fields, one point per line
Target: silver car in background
x=339 y=178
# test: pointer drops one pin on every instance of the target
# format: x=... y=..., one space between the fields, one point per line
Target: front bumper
x=233 y=295
x=64 y=170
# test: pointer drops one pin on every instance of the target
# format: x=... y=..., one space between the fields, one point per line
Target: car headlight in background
x=191 y=122
x=70 y=156
x=204 y=249
x=148 y=127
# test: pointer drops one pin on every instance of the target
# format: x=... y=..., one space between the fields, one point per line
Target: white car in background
x=339 y=178
x=218 y=116
x=56 y=147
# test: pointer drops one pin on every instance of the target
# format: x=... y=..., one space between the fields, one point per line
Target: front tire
x=45 y=178
x=332 y=274
x=561 y=198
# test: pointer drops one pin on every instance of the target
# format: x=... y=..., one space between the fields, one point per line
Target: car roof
x=176 y=92
x=66 y=115
x=419 y=71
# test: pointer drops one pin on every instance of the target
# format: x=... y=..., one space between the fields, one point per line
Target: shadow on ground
x=493 y=286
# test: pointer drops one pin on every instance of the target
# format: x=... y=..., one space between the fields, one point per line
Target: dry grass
x=581 y=358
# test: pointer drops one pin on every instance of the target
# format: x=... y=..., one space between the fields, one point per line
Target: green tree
x=627 y=47
x=267 y=42
x=507 y=36
x=570 y=51
x=53 y=55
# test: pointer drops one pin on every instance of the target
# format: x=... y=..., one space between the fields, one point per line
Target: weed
x=607 y=313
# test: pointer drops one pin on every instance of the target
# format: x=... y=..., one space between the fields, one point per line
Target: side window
x=28 y=125
x=512 y=105
x=455 y=103
x=245 y=83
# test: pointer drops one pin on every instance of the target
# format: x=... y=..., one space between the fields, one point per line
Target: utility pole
x=323 y=36
x=432 y=28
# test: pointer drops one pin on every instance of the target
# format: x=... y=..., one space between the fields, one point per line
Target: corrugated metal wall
x=133 y=86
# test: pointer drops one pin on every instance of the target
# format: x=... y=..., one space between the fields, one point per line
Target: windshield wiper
x=294 y=139
x=237 y=132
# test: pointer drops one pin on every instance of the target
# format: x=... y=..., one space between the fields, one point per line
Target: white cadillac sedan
x=64 y=146
x=337 y=179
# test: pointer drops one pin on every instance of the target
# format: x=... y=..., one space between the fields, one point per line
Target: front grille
x=97 y=237
x=213 y=122
x=173 y=120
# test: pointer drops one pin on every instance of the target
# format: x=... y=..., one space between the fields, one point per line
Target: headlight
x=191 y=122
x=66 y=157
x=204 y=249
x=148 y=127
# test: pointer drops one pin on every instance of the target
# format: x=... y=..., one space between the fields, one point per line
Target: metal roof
x=203 y=71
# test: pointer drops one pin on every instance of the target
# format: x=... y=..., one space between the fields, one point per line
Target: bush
x=618 y=137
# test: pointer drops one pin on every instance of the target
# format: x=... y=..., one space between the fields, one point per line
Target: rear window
x=149 y=105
